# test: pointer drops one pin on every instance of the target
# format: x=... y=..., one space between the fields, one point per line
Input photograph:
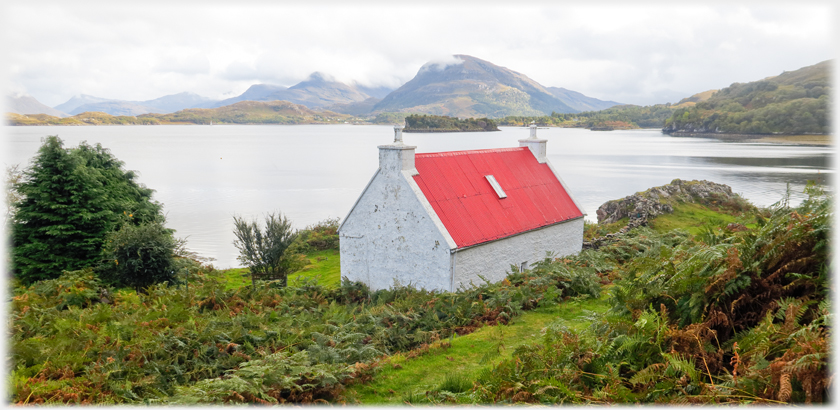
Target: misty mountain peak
x=317 y=79
x=466 y=86
x=443 y=63
x=319 y=76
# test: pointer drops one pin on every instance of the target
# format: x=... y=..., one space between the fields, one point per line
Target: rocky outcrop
x=642 y=206
x=659 y=200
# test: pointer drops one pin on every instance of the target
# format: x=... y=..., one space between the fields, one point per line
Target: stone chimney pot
x=537 y=146
x=397 y=157
x=398 y=134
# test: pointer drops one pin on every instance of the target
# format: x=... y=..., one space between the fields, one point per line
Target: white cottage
x=439 y=220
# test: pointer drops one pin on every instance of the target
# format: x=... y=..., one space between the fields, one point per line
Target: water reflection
x=809 y=162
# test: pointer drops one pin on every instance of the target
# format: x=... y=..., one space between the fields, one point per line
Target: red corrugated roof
x=455 y=184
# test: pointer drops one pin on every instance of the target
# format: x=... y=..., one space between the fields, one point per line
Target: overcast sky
x=641 y=54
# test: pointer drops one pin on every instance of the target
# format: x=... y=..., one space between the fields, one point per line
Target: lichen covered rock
x=660 y=200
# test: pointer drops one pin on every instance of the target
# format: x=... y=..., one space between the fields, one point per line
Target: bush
x=265 y=252
x=140 y=256
x=319 y=237
x=324 y=235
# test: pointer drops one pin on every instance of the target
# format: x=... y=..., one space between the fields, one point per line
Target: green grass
x=324 y=265
x=236 y=278
x=401 y=378
x=693 y=218
x=596 y=230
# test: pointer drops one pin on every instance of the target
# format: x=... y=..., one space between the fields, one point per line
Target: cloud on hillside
x=440 y=63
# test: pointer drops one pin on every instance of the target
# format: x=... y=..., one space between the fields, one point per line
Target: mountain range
x=467 y=87
x=163 y=105
x=318 y=90
x=25 y=104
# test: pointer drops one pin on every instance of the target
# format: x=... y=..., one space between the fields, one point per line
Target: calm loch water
x=206 y=174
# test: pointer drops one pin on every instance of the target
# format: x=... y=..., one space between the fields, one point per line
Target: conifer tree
x=71 y=199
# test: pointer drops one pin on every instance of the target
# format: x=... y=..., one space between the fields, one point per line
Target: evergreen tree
x=71 y=199
x=128 y=196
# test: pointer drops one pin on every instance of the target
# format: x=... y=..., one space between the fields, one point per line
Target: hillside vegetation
x=85 y=118
x=438 y=123
x=245 y=112
x=794 y=102
x=791 y=103
x=616 y=117
x=734 y=316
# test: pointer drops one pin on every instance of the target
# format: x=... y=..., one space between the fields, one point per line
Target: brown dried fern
x=785 y=388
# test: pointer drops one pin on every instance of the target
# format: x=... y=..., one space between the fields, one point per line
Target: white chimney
x=536 y=146
x=397 y=156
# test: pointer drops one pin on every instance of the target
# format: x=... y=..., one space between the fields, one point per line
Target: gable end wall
x=389 y=236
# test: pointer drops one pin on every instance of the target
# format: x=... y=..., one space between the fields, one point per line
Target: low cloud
x=440 y=64
x=194 y=64
x=318 y=75
x=626 y=53
x=239 y=71
x=15 y=90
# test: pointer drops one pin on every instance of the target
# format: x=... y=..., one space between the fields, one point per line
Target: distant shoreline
x=797 y=139
x=800 y=139
x=420 y=131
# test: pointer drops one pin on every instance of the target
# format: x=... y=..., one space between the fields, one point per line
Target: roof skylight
x=496 y=187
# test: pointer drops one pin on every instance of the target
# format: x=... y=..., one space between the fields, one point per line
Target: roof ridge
x=467 y=152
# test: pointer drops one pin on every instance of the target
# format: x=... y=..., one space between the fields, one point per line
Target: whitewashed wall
x=390 y=235
x=492 y=260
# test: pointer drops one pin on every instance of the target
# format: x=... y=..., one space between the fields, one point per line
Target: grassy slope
x=400 y=377
x=689 y=216
x=468 y=354
x=693 y=218
x=324 y=266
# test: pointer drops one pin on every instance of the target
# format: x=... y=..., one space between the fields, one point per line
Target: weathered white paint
x=398 y=134
x=537 y=146
x=492 y=260
x=408 y=176
x=396 y=158
x=392 y=233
